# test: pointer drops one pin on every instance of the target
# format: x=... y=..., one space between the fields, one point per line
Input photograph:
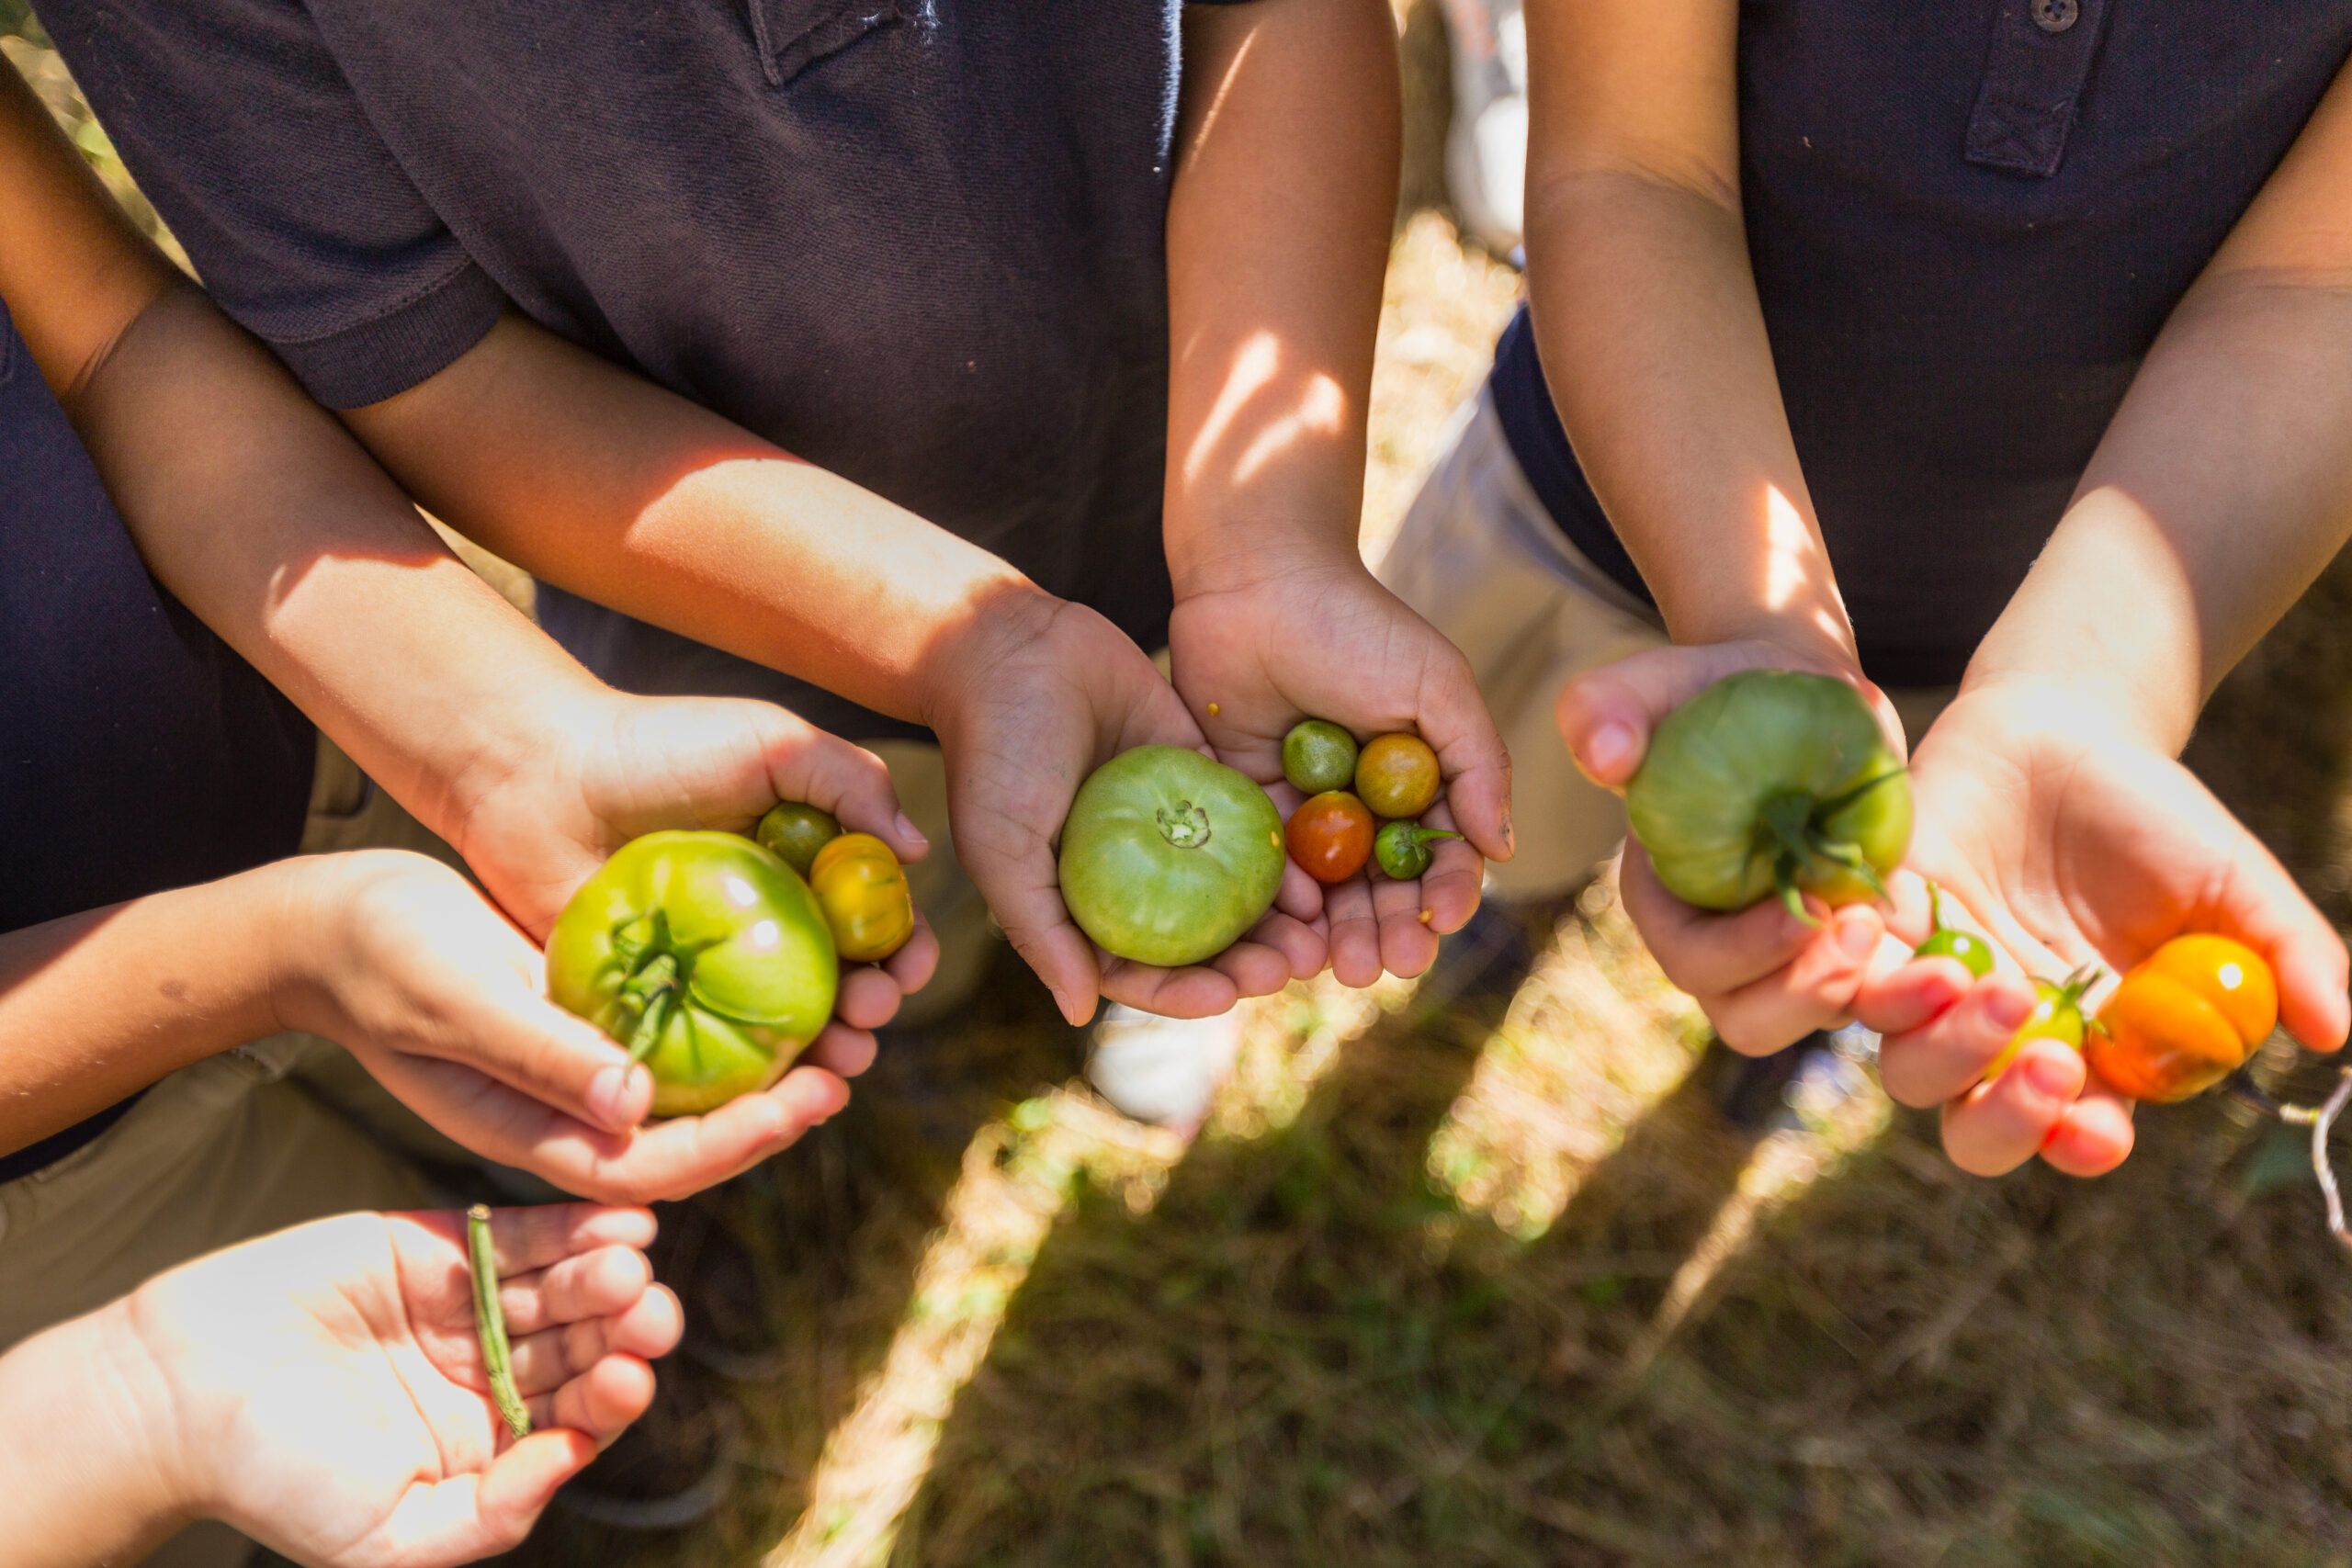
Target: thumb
x=472 y=1516
x=1607 y=714
x=511 y=1033
x=1454 y=721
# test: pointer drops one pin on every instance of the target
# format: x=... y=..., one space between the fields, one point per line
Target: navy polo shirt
x=136 y=752
x=1968 y=221
x=919 y=242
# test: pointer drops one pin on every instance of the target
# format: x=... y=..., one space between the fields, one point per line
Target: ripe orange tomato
x=1331 y=835
x=1396 y=775
x=2184 y=1020
x=862 y=890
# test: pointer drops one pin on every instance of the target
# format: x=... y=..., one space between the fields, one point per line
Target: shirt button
x=2055 y=15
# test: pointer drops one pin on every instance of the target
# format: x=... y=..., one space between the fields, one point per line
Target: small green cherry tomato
x=1397 y=775
x=863 y=892
x=1967 y=949
x=706 y=955
x=1329 y=835
x=2057 y=1015
x=795 y=831
x=1403 y=849
x=1319 y=755
x=1168 y=856
x=1772 y=780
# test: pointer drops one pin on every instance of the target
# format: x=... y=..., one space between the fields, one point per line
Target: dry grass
x=1483 y=1280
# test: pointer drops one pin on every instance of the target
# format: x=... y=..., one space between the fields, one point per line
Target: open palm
x=330 y=1394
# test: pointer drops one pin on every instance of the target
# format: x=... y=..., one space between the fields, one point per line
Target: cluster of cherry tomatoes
x=1350 y=791
x=2182 y=1020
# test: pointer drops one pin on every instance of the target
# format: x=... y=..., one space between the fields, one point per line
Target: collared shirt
x=919 y=242
x=136 y=752
x=1968 y=223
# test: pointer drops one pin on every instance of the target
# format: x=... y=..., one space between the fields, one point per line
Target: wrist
x=1794 y=640
x=1008 y=618
x=536 y=719
x=2077 y=703
x=1236 y=555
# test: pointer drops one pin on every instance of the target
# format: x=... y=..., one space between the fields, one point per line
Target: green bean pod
x=490 y=1325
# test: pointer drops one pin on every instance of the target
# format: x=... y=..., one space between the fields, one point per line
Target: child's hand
x=322 y=1389
x=1049 y=691
x=1764 y=978
x=2066 y=842
x=397 y=959
x=1328 y=642
x=613 y=767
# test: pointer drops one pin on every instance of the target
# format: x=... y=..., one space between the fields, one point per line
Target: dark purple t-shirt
x=919 y=242
x=136 y=752
x=1968 y=221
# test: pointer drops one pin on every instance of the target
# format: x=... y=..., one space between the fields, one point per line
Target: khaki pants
x=1480 y=558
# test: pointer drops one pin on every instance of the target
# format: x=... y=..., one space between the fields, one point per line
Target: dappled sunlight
x=1577 y=1063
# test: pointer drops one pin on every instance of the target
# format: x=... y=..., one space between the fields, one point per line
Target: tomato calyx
x=1792 y=820
x=659 y=967
x=1183 y=825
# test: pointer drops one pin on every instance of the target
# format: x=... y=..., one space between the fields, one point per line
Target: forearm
x=1278 y=228
x=87 y=1480
x=266 y=518
x=2221 y=490
x=96 y=1006
x=611 y=487
x=1653 y=341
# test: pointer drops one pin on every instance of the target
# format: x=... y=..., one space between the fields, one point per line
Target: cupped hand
x=2066 y=840
x=402 y=962
x=324 y=1392
x=1328 y=641
x=1047 y=692
x=612 y=767
x=1764 y=977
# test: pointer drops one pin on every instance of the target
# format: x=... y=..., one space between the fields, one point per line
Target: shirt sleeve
x=239 y=127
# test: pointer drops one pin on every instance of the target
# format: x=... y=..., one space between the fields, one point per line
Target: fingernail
x=1510 y=835
x=2050 y=1074
x=1609 y=748
x=2008 y=1009
x=608 y=1094
x=1856 y=938
x=910 y=832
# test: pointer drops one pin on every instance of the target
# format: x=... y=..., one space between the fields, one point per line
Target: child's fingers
x=470 y=1517
x=1910 y=995
x=2094 y=1136
x=841 y=1051
x=594 y=1285
x=1354 y=938
x=600 y=1402
x=1407 y=942
x=1944 y=1056
x=1814 y=991
x=868 y=998
x=911 y=966
x=2000 y=1126
x=1457 y=877
x=1705 y=953
x=648 y=1327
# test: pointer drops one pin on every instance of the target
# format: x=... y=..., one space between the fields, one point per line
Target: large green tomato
x=1168 y=856
x=706 y=955
x=1772 y=780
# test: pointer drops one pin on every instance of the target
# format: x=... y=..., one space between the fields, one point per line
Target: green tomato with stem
x=1971 y=952
x=2057 y=1015
x=706 y=955
x=1168 y=856
x=1403 y=849
x=1772 y=782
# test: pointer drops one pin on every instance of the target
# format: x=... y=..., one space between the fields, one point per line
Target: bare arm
x=2224 y=483
x=1653 y=337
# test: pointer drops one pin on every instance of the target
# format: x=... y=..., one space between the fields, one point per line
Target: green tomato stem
x=1184 y=824
x=490 y=1325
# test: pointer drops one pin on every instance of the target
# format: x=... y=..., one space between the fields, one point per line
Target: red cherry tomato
x=1331 y=835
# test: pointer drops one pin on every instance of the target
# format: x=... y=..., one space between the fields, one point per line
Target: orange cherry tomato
x=862 y=890
x=1331 y=835
x=2184 y=1020
x=1396 y=775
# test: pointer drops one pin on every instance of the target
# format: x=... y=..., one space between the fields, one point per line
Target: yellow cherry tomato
x=2184 y=1020
x=862 y=890
x=1396 y=775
